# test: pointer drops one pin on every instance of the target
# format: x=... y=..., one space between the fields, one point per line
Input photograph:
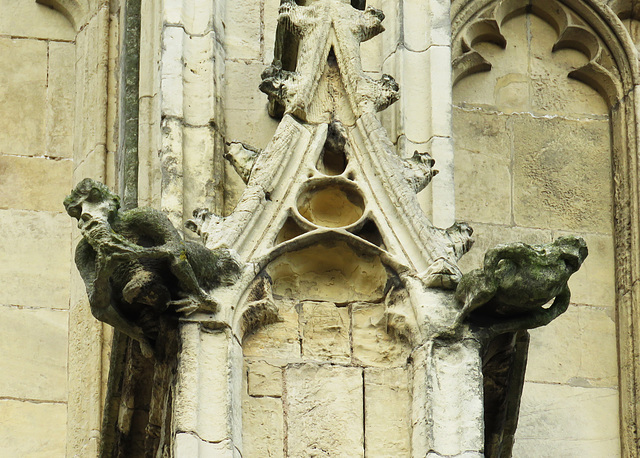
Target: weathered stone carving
x=330 y=217
x=419 y=170
x=242 y=157
x=136 y=266
x=313 y=26
x=517 y=279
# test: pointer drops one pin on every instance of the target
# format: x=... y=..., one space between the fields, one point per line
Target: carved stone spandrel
x=374 y=342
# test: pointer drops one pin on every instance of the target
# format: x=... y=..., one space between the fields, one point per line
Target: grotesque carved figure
x=316 y=25
x=517 y=280
x=419 y=170
x=135 y=265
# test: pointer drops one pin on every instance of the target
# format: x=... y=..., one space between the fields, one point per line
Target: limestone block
x=253 y=127
x=415 y=96
x=487 y=236
x=37 y=367
x=269 y=24
x=233 y=188
x=387 y=42
x=29 y=19
x=242 y=37
x=426 y=98
x=558 y=420
x=262 y=425
x=188 y=445
x=241 y=86
x=578 y=348
x=443 y=189
x=371 y=56
x=374 y=51
x=372 y=344
x=199 y=55
x=32 y=429
x=214 y=386
x=172 y=13
x=323 y=406
x=482 y=188
x=595 y=283
x=332 y=272
x=528 y=75
x=171 y=157
x=200 y=185
x=92 y=165
x=425 y=24
x=60 y=100
x=150 y=48
x=171 y=68
x=439 y=79
x=387 y=412
x=91 y=77
x=84 y=406
x=36 y=259
x=264 y=379
x=483 y=132
x=197 y=16
x=506 y=85
x=550 y=189
x=185 y=408
x=23 y=88
x=150 y=171
x=20 y=173
x=276 y=340
x=325 y=331
x=454 y=398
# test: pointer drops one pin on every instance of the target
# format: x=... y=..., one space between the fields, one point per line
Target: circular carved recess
x=331 y=203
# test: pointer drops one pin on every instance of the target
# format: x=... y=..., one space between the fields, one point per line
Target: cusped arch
x=572 y=31
x=256 y=309
x=597 y=31
x=74 y=10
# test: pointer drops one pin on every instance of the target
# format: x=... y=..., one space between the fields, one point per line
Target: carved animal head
x=573 y=251
x=91 y=200
x=419 y=170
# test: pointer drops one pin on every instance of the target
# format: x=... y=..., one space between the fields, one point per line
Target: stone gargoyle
x=137 y=268
x=509 y=293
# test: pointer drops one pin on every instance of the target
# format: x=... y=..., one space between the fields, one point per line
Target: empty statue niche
x=330 y=271
x=329 y=354
x=290 y=230
x=331 y=203
x=370 y=232
x=333 y=159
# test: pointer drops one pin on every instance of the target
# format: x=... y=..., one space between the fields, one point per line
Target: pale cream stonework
x=525 y=154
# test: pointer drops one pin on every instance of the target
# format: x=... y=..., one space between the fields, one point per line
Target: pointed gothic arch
x=597 y=31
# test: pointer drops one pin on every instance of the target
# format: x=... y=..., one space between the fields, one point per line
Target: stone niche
x=328 y=378
x=533 y=160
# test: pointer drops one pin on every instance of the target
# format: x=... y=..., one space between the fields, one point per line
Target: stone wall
x=533 y=161
x=328 y=380
x=37 y=61
x=526 y=137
